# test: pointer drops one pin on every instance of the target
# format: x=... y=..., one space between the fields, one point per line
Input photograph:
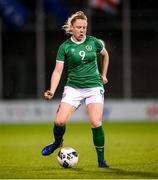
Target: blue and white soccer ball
x=67 y=157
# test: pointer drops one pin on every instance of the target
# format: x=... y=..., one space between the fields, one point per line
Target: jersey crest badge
x=89 y=48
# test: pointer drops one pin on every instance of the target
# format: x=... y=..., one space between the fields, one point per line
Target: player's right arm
x=55 y=78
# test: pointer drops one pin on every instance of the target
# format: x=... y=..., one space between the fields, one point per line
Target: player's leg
x=95 y=111
x=70 y=101
x=63 y=115
x=95 y=116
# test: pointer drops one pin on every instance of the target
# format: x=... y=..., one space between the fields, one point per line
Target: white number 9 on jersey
x=82 y=54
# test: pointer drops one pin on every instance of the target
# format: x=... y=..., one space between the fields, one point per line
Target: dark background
x=19 y=49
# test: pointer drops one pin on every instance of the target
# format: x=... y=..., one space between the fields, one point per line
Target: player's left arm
x=105 y=64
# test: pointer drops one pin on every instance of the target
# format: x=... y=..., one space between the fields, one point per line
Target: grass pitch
x=131 y=151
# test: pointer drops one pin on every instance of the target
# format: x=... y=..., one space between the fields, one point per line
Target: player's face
x=79 y=29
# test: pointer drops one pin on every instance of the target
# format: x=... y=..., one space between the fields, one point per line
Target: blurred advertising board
x=44 y=111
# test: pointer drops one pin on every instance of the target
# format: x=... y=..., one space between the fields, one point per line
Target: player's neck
x=77 y=42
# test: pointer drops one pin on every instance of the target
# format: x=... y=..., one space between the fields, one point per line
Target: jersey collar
x=78 y=42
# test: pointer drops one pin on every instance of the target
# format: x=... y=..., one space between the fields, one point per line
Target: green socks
x=59 y=133
x=98 y=140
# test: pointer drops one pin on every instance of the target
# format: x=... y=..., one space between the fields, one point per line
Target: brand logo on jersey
x=72 y=50
x=89 y=47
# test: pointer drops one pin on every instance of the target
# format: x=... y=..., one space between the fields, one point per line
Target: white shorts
x=75 y=96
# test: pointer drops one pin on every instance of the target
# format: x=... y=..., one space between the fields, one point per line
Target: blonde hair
x=72 y=19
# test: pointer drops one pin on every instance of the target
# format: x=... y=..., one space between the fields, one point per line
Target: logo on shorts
x=102 y=93
x=64 y=94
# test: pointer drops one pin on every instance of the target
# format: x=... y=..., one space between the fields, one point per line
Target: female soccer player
x=84 y=83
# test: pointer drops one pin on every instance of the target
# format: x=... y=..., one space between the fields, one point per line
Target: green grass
x=131 y=151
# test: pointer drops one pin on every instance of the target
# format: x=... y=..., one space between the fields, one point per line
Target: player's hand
x=105 y=80
x=48 y=95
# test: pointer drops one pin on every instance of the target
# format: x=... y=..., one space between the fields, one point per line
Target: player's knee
x=59 y=123
x=96 y=124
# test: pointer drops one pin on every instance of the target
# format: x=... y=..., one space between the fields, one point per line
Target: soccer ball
x=67 y=157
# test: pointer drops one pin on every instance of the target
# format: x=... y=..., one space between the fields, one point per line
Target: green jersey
x=82 y=62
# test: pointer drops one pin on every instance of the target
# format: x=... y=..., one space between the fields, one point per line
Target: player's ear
x=71 y=29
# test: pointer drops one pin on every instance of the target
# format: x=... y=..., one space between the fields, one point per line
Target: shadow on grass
x=111 y=172
x=120 y=173
x=80 y=173
x=125 y=173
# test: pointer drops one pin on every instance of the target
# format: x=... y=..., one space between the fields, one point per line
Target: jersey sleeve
x=100 y=45
x=61 y=54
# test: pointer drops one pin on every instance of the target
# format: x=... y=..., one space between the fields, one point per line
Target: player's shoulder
x=91 y=38
x=95 y=39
